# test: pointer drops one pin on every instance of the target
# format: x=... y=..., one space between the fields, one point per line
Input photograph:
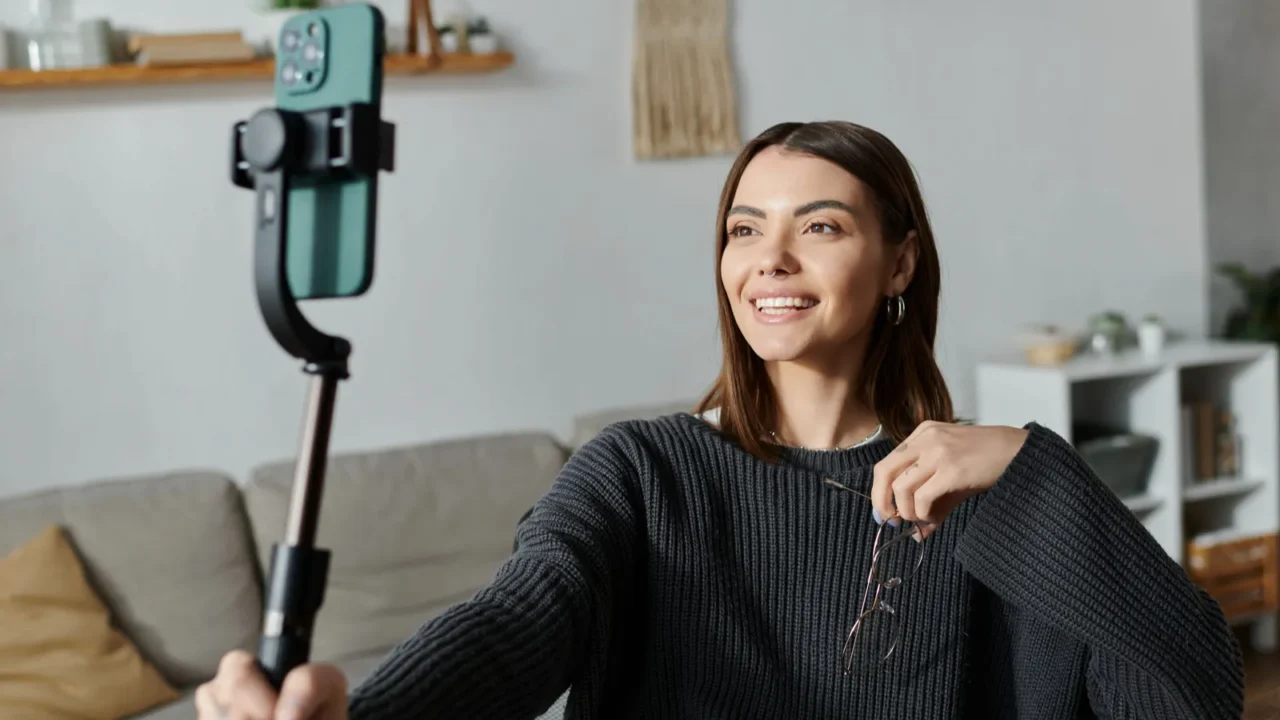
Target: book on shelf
x=191 y=48
x=141 y=41
x=1211 y=444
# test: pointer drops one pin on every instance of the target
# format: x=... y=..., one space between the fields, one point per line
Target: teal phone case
x=331 y=58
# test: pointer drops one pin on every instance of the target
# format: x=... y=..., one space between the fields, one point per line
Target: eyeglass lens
x=873 y=639
x=900 y=556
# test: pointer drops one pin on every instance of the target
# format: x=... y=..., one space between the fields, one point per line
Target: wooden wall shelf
x=262 y=69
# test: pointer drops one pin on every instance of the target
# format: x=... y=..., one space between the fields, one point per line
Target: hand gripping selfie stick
x=269 y=152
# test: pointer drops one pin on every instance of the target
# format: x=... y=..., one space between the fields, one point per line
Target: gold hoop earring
x=896 y=307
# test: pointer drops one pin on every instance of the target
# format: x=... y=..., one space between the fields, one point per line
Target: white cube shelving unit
x=1136 y=393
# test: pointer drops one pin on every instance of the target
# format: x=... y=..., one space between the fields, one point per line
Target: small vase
x=485 y=43
x=1151 y=338
x=1104 y=343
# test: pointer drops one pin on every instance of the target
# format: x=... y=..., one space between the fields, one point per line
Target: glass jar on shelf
x=53 y=40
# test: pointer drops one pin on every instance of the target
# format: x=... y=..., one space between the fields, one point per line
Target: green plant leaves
x=1257 y=317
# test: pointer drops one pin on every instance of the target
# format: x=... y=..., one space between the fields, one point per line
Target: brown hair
x=901 y=380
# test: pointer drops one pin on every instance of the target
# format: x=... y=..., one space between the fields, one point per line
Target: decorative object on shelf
x=1227 y=447
x=423 y=38
x=480 y=37
x=1049 y=345
x=191 y=48
x=1238 y=570
x=682 y=80
x=1109 y=331
x=6 y=61
x=467 y=35
x=1258 y=315
x=1214 y=441
x=97 y=42
x=1151 y=335
x=455 y=35
x=53 y=40
x=1122 y=460
x=449 y=41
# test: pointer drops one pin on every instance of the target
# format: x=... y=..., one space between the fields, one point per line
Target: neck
x=819 y=409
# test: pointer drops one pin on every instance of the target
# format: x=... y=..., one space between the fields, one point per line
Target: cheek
x=733 y=274
x=856 y=286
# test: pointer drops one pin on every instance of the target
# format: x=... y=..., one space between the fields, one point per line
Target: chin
x=778 y=349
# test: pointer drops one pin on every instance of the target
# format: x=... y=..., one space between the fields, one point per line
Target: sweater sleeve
x=515 y=647
x=1049 y=537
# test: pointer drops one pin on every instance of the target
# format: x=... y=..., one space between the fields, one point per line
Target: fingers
x=206 y=707
x=883 y=477
x=905 y=487
x=887 y=470
x=935 y=500
x=239 y=692
x=312 y=691
x=900 y=474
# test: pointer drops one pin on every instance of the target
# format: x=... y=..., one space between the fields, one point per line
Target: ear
x=904 y=257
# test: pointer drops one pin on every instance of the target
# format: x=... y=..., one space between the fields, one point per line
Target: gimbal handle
x=269 y=152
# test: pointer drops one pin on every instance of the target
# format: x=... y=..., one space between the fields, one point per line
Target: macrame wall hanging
x=682 y=80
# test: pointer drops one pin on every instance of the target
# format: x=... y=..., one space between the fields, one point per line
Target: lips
x=776 y=307
x=784 y=304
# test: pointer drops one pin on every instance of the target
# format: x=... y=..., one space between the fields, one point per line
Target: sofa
x=177 y=558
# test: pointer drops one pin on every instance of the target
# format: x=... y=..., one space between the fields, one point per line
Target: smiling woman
x=818 y=539
x=826 y=218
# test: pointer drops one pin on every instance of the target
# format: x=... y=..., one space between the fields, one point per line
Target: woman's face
x=805 y=267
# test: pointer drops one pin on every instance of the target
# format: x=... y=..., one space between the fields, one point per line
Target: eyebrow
x=802 y=210
x=746 y=210
x=825 y=205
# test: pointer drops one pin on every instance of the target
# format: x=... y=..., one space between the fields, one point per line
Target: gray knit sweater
x=670 y=574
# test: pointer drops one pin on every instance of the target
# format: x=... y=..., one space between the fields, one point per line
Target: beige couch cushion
x=412 y=530
x=170 y=555
x=59 y=653
x=588 y=425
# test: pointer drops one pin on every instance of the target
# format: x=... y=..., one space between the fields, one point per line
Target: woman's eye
x=740 y=231
x=825 y=228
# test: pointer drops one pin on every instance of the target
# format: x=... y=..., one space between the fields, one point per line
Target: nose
x=777 y=262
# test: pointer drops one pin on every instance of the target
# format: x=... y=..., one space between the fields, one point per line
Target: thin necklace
x=778 y=441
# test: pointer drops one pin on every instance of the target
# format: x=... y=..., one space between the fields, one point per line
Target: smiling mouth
x=779 y=306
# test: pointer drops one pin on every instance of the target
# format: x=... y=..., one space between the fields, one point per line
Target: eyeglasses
x=896 y=555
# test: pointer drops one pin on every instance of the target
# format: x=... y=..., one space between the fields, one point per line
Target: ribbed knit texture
x=670 y=574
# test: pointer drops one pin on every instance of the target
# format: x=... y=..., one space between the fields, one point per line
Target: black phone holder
x=271 y=152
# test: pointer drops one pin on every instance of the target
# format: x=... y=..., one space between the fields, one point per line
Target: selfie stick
x=269 y=153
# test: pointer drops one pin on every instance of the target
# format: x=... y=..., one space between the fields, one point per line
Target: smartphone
x=331 y=58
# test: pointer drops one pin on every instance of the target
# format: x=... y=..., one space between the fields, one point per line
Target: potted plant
x=272 y=16
x=1108 y=330
x=1257 y=317
x=1151 y=335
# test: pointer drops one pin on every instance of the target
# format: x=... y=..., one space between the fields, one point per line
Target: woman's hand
x=939 y=466
x=240 y=692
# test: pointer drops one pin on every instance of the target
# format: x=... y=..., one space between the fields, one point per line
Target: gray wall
x=1241 y=47
x=528 y=268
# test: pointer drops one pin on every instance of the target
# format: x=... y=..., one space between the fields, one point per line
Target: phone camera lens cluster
x=301 y=55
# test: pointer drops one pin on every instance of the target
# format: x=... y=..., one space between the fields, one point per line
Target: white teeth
x=775 y=305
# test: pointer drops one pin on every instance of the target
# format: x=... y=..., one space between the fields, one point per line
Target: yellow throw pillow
x=59 y=655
